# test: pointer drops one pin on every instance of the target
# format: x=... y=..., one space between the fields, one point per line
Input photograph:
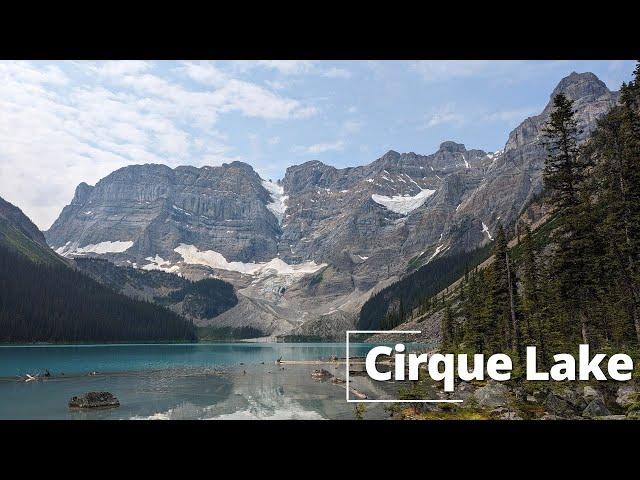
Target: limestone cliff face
x=151 y=209
x=323 y=238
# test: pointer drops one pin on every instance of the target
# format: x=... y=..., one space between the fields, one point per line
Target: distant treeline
x=394 y=304
x=204 y=298
x=49 y=303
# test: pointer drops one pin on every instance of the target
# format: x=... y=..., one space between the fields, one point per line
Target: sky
x=65 y=122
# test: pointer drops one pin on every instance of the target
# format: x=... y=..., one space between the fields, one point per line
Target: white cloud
x=204 y=73
x=321 y=147
x=352 y=126
x=504 y=71
x=294 y=68
x=511 y=117
x=444 y=115
x=439 y=70
x=335 y=72
x=288 y=67
x=55 y=133
x=124 y=67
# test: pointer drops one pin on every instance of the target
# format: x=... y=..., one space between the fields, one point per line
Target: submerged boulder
x=321 y=374
x=94 y=400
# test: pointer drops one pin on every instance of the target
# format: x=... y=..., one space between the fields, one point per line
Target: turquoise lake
x=180 y=381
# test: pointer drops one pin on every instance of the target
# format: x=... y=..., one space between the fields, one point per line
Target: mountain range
x=306 y=252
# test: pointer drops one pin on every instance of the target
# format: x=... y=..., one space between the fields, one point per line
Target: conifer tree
x=564 y=174
x=499 y=296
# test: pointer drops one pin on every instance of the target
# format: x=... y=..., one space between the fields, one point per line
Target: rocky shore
x=518 y=400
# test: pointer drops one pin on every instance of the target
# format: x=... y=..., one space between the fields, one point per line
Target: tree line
x=394 y=304
x=54 y=303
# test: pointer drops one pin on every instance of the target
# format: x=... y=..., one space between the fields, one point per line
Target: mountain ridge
x=337 y=234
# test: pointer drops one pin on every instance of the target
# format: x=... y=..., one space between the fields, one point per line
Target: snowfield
x=117 y=246
x=278 y=206
x=159 y=263
x=210 y=258
x=485 y=229
x=403 y=204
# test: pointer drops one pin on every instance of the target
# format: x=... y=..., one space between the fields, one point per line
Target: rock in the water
x=94 y=400
x=321 y=374
x=492 y=395
x=627 y=394
x=596 y=408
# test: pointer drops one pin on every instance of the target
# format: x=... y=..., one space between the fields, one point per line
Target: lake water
x=181 y=381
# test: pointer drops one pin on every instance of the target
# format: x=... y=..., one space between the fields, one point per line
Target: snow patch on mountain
x=278 y=205
x=494 y=155
x=210 y=258
x=403 y=204
x=439 y=249
x=485 y=229
x=70 y=249
x=159 y=263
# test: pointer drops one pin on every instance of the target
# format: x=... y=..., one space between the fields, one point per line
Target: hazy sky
x=66 y=122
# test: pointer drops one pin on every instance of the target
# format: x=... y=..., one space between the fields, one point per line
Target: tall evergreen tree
x=500 y=295
x=564 y=173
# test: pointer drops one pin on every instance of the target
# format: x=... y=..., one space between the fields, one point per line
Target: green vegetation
x=203 y=299
x=40 y=302
x=394 y=305
x=218 y=334
x=14 y=240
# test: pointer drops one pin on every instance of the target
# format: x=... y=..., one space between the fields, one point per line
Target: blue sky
x=66 y=122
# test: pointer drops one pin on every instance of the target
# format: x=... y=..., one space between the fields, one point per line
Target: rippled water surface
x=194 y=381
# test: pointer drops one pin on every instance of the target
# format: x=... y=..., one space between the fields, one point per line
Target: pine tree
x=615 y=146
x=500 y=299
x=564 y=173
x=530 y=293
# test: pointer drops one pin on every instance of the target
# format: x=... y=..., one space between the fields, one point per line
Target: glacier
x=403 y=204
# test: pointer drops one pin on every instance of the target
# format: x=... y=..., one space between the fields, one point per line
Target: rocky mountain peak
x=580 y=85
x=390 y=155
x=83 y=190
x=452 y=147
x=238 y=165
